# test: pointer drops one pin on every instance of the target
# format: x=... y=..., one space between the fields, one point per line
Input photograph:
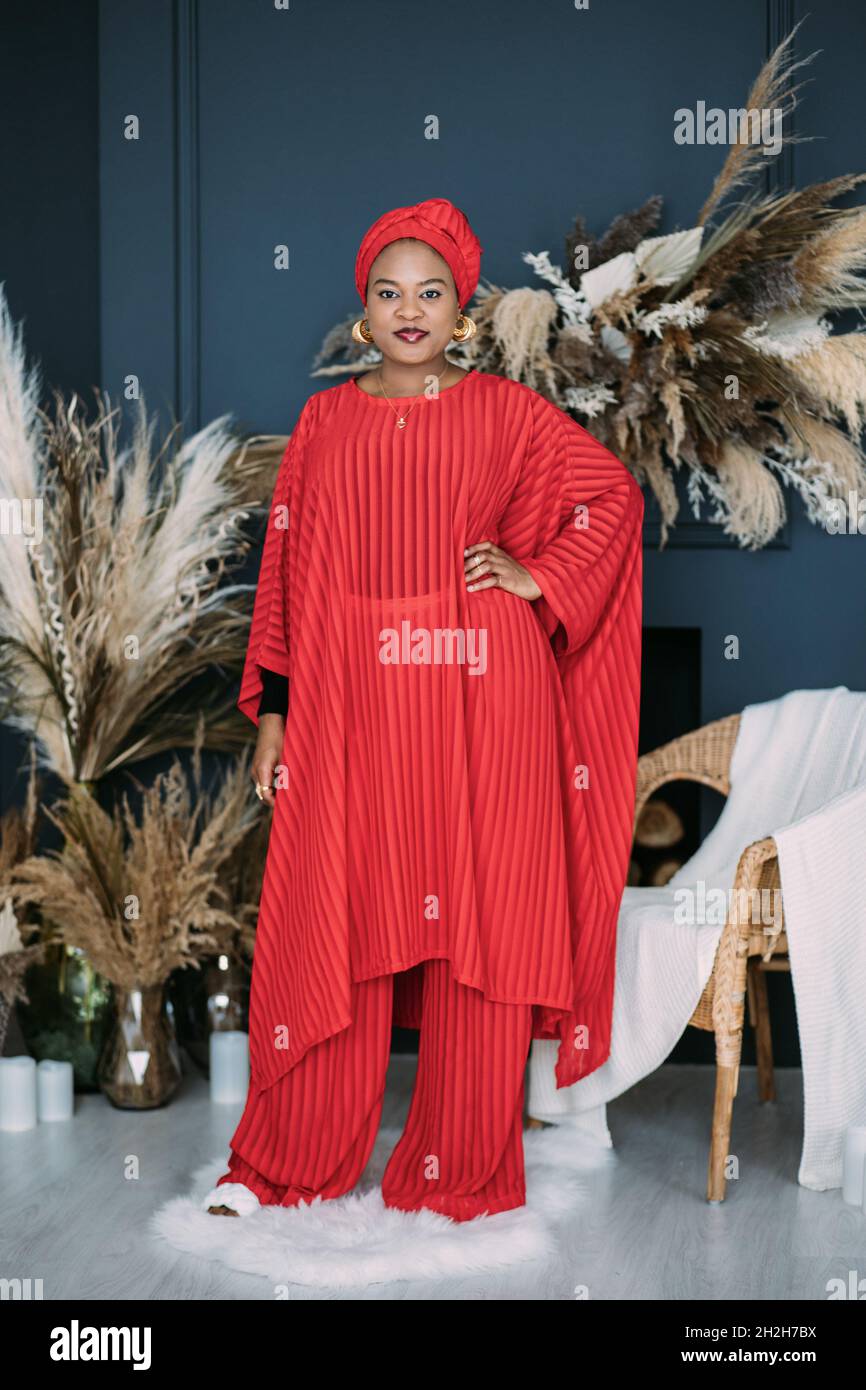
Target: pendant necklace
x=401 y=419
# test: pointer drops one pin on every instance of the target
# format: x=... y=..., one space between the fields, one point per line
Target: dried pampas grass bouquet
x=139 y=891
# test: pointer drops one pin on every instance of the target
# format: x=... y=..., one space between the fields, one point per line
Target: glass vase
x=140 y=1067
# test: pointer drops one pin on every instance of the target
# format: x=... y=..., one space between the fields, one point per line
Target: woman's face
x=412 y=304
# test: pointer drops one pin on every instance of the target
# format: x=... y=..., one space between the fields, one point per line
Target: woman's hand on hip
x=269 y=750
x=488 y=567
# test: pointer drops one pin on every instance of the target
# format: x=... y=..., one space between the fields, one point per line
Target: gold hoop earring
x=361 y=331
x=466 y=329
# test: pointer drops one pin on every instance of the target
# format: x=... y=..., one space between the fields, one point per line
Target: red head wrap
x=436 y=221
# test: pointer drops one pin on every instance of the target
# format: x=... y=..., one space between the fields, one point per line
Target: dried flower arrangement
x=140 y=893
x=112 y=616
x=707 y=349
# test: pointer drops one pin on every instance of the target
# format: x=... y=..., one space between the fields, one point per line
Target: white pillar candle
x=54 y=1090
x=229 y=1067
x=854 y=1164
x=17 y=1093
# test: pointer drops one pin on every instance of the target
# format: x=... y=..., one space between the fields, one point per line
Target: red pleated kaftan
x=460 y=765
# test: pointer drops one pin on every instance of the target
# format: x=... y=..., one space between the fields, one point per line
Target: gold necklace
x=401 y=419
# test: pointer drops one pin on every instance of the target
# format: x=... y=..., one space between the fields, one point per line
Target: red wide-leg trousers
x=461 y=1152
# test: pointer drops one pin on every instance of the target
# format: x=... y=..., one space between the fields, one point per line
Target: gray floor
x=69 y=1216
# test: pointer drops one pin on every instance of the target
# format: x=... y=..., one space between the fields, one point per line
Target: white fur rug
x=354 y=1241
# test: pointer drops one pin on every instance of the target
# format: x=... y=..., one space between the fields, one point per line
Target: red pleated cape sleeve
x=268 y=642
x=575 y=522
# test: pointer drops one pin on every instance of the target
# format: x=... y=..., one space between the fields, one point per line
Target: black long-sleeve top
x=275 y=693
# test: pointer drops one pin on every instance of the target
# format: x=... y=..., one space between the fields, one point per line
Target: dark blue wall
x=49 y=224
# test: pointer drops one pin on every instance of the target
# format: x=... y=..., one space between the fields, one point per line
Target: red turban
x=436 y=221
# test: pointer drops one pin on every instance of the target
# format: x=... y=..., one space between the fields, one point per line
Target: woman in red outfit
x=444 y=669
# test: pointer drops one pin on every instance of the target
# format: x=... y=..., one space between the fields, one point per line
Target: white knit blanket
x=798 y=772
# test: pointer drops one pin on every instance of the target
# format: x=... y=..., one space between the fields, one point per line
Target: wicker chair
x=746 y=949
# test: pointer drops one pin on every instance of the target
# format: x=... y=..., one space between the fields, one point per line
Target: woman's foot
x=230 y=1199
